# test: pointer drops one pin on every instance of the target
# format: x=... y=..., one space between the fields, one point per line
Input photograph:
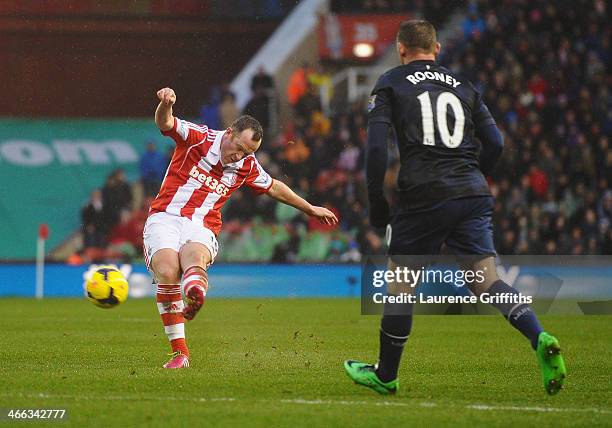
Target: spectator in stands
x=263 y=104
x=473 y=25
x=93 y=221
x=287 y=251
x=152 y=169
x=298 y=84
x=307 y=105
x=349 y=158
x=259 y=106
x=296 y=155
x=116 y=196
x=121 y=237
x=262 y=80
x=125 y=238
x=604 y=207
x=322 y=81
x=538 y=181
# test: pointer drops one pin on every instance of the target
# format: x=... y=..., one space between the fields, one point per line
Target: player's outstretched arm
x=163 y=114
x=282 y=193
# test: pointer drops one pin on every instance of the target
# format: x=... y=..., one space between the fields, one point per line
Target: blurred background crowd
x=544 y=72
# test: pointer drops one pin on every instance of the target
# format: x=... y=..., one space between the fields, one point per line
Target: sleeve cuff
x=379 y=119
x=263 y=190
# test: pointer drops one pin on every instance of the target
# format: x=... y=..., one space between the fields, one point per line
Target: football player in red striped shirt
x=180 y=235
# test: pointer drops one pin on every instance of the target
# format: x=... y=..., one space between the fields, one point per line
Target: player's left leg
x=473 y=239
x=522 y=317
x=161 y=244
x=165 y=265
x=519 y=315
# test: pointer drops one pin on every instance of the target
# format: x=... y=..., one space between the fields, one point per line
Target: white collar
x=215 y=149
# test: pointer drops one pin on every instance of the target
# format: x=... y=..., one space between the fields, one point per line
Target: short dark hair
x=417 y=34
x=245 y=122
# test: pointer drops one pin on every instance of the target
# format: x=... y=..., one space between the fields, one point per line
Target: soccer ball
x=107 y=287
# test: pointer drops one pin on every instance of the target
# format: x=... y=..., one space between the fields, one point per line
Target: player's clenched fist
x=167 y=96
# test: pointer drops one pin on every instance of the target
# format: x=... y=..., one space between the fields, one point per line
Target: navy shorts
x=464 y=225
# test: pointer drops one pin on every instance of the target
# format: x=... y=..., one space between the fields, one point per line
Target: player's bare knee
x=195 y=254
x=400 y=287
x=167 y=269
x=167 y=273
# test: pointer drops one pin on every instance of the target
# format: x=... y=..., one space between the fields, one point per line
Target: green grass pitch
x=278 y=362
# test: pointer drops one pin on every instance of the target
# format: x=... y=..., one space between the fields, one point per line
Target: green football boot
x=365 y=374
x=551 y=362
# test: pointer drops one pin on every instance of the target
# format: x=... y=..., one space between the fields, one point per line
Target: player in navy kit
x=447 y=140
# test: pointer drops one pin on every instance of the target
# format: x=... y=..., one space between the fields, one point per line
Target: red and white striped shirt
x=196 y=184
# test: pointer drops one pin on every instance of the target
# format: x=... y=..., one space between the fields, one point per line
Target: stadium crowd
x=542 y=69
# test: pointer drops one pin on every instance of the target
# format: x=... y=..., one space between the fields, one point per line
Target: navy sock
x=520 y=315
x=394 y=332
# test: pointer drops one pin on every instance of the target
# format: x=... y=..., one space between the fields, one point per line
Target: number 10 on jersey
x=445 y=99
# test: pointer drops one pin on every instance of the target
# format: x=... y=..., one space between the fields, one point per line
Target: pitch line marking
x=536 y=409
x=119 y=398
x=353 y=402
x=429 y=404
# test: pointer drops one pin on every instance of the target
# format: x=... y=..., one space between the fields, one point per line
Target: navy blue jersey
x=435 y=114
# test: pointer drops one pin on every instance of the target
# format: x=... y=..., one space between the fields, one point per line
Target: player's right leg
x=194 y=258
x=198 y=251
x=395 y=329
x=161 y=244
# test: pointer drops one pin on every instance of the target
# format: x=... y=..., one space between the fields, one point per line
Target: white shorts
x=163 y=230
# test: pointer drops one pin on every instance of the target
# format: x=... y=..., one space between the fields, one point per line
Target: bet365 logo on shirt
x=209 y=181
